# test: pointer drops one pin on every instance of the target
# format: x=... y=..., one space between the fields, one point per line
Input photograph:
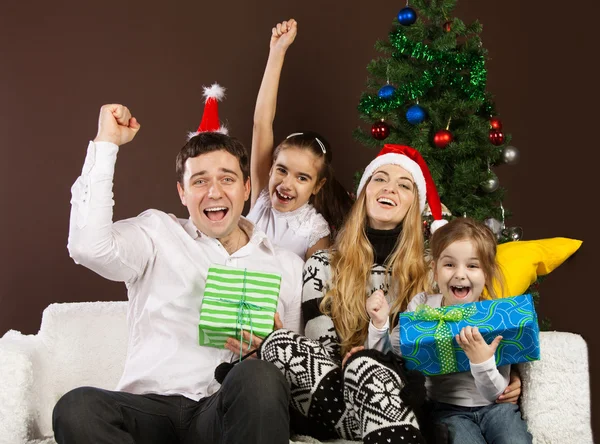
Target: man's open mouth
x=216 y=214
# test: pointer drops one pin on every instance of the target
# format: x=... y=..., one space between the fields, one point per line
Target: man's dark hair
x=207 y=143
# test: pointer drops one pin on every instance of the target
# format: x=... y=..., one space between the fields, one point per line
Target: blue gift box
x=427 y=340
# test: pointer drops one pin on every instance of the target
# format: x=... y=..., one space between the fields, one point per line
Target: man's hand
x=283 y=35
x=378 y=308
x=116 y=125
x=233 y=344
x=474 y=346
x=513 y=391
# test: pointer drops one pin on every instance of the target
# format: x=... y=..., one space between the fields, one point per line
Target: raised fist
x=283 y=34
x=378 y=308
x=116 y=125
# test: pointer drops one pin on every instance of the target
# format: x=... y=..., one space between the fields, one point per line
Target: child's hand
x=474 y=346
x=283 y=34
x=378 y=308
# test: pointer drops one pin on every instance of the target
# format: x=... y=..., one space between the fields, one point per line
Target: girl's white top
x=296 y=230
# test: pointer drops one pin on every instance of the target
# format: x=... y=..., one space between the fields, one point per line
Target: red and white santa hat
x=409 y=159
x=210 y=118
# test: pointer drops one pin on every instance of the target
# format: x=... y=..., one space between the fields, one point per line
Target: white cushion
x=82 y=344
x=85 y=343
x=556 y=391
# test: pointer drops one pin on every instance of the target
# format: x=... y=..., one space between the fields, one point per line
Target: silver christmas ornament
x=513 y=233
x=495 y=225
x=516 y=233
x=491 y=184
x=510 y=155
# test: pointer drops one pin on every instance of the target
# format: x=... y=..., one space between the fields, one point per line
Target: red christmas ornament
x=442 y=138
x=447 y=26
x=496 y=137
x=495 y=123
x=426 y=229
x=380 y=130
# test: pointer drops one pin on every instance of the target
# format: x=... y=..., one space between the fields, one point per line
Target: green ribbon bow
x=244 y=313
x=443 y=335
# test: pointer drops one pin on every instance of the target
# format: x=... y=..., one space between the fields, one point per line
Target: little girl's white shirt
x=296 y=230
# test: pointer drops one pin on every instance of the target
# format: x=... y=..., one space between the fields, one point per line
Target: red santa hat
x=210 y=118
x=409 y=159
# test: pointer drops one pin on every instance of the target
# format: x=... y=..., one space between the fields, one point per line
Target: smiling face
x=294 y=178
x=389 y=195
x=459 y=274
x=214 y=192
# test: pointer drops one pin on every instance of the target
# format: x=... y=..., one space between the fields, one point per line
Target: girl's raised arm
x=264 y=113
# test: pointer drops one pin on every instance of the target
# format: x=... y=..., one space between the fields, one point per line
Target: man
x=167 y=393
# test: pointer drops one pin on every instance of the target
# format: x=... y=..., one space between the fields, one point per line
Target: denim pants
x=494 y=423
x=250 y=407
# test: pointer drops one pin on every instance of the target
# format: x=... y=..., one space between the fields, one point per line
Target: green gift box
x=237 y=300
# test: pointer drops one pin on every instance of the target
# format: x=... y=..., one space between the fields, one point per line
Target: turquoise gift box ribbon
x=237 y=300
x=427 y=335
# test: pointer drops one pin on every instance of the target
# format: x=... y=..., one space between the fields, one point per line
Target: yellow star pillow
x=523 y=261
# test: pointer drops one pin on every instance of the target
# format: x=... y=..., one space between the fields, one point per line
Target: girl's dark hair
x=332 y=201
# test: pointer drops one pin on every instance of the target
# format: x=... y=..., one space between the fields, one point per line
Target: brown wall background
x=61 y=61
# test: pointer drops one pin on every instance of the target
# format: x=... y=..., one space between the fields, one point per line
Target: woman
x=343 y=390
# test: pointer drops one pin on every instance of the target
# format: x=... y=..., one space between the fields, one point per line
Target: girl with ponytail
x=296 y=199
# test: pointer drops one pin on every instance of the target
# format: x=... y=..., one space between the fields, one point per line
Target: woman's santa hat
x=210 y=118
x=409 y=159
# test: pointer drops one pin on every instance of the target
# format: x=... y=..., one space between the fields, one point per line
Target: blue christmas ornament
x=407 y=16
x=386 y=92
x=415 y=115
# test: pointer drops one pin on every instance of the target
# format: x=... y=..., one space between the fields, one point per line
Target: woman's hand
x=513 y=391
x=351 y=352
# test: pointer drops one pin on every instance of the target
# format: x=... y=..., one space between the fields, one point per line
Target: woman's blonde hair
x=465 y=228
x=352 y=259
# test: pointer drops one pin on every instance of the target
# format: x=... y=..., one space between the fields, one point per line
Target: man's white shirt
x=164 y=263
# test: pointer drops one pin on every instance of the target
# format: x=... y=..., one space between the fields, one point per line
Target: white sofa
x=85 y=344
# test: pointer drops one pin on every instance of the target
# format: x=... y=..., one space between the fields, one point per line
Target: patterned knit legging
x=360 y=402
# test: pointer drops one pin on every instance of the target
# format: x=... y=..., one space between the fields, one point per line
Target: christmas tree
x=428 y=90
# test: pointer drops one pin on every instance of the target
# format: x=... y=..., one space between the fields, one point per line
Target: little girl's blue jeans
x=494 y=423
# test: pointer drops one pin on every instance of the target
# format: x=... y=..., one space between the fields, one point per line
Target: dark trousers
x=250 y=407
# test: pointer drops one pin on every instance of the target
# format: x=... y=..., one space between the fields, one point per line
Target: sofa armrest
x=18 y=362
x=556 y=390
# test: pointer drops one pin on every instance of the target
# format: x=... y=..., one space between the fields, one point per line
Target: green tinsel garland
x=450 y=66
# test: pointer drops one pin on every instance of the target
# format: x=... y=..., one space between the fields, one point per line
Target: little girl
x=464 y=263
x=295 y=199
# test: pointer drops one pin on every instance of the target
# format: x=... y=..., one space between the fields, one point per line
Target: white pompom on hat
x=412 y=161
x=210 y=118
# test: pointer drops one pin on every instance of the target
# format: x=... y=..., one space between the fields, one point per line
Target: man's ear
x=318 y=186
x=247 y=189
x=181 y=192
